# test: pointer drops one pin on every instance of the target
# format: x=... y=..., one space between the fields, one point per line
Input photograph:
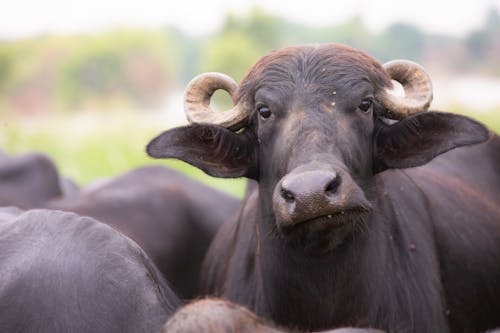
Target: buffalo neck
x=297 y=284
x=365 y=281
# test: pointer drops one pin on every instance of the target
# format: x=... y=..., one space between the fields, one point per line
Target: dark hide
x=66 y=273
x=173 y=218
x=428 y=257
x=28 y=180
x=462 y=191
x=385 y=246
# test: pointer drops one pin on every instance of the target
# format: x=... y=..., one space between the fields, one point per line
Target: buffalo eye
x=365 y=105
x=264 y=111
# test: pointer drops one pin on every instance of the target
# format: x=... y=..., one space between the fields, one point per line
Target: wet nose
x=305 y=195
x=309 y=186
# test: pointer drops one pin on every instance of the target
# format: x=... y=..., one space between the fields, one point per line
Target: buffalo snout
x=318 y=207
x=306 y=195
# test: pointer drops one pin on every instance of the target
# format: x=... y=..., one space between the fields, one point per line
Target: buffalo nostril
x=287 y=195
x=333 y=185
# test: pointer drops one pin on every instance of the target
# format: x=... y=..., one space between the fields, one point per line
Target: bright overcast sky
x=24 y=18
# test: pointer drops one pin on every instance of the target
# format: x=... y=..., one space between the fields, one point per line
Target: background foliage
x=76 y=97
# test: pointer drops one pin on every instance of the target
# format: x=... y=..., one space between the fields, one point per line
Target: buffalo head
x=313 y=124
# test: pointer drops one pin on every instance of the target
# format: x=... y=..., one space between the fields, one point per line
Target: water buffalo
x=357 y=219
x=173 y=218
x=61 y=272
x=174 y=229
x=29 y=180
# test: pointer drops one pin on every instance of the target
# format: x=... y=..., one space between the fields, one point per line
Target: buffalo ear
x=214 y=149
x=419 y=138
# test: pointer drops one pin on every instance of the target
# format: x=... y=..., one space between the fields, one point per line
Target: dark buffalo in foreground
x=61 y=272
x=369 y=212
x=173 y=218
x=29 y=180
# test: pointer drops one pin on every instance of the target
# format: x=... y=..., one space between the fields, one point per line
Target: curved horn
x=417 y=87
x=197 y=101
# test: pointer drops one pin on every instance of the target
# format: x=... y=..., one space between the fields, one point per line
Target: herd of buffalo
x=363 y=212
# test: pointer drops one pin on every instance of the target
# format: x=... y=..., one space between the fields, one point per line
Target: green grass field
x=90 y=146
x=87 y=147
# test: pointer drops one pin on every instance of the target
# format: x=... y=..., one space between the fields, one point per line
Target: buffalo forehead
x=328 y=70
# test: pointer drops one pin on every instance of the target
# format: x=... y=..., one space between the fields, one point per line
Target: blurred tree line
x=137 y=67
